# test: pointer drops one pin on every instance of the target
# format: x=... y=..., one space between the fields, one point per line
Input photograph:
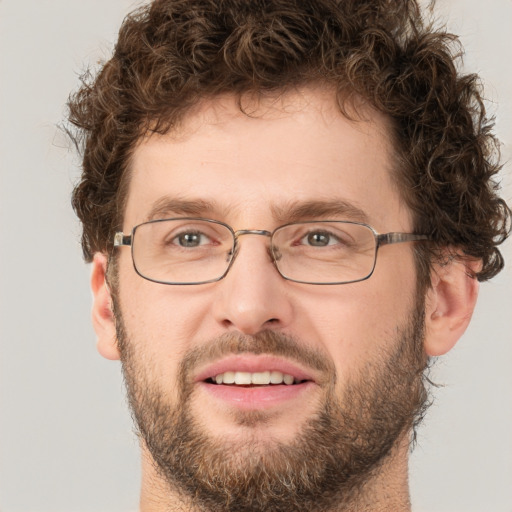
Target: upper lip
x=253 y=363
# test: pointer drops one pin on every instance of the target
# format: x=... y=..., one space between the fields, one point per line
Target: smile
x=264 y=378
x=255 y=382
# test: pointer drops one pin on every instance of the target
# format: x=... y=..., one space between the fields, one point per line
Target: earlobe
x=449 y=304
x=102 y=316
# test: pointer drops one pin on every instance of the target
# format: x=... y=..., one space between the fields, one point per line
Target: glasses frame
x=120 y=240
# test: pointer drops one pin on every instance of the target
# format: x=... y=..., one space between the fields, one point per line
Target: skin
x=292 y=149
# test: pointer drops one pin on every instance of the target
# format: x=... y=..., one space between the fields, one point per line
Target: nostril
x=226 y=323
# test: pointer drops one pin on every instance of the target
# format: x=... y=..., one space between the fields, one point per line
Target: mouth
x=255 y=379
x=254 y=370
x=254 y=382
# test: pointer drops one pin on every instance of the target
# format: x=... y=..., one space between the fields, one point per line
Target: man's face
x=354 y=350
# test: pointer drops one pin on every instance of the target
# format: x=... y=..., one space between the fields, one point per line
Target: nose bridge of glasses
x=259 y=232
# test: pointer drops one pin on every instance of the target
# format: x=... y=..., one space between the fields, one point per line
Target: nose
x=253 y=296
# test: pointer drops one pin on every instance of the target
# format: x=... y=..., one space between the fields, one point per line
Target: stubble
x=331 y=460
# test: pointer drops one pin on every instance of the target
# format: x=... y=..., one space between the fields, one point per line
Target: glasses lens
x=325 y=252
x=182 y=251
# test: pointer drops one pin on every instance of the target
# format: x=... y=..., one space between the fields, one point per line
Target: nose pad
x=232 y=255
x=252 y=295
x=275 y=254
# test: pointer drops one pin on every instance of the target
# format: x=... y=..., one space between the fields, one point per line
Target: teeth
x=288 y=379
x=276 y=377
x=243 y=378
x=228 y=378
x=258 y=378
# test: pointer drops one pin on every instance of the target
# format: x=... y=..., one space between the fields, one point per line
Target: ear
x=450 y=303
x=102 y=316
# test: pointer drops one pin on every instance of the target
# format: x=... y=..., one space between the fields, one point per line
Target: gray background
x=66 y=440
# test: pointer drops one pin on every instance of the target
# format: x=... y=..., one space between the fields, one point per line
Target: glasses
x=190 y=250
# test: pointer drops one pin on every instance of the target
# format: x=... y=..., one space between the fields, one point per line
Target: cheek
x=160 y=322
x=357 y=322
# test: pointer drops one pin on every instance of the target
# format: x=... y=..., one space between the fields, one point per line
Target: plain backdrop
x=66 y=439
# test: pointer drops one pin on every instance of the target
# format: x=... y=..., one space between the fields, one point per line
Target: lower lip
x=258 y=397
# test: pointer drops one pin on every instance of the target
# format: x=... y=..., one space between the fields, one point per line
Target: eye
x=191 y=239
x=320 y=239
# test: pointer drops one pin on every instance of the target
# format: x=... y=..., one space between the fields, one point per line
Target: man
x=288 y=208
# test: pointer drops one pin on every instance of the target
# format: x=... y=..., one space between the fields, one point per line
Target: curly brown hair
x=173 y=53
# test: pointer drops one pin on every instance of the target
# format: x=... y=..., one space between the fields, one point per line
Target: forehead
x=257 y=160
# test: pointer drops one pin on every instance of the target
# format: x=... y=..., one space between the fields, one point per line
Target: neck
x=386 y=490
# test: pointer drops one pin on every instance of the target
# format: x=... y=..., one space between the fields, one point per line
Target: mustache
x=264 y=342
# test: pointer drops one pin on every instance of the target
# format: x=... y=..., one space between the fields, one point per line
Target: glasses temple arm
x=397 y=238
x=122 y=239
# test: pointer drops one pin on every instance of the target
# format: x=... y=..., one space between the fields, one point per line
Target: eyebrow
x=170 y=206
x=319 y=209
x=294 y=211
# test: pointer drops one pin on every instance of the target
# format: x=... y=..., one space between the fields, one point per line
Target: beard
x=333 y=457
